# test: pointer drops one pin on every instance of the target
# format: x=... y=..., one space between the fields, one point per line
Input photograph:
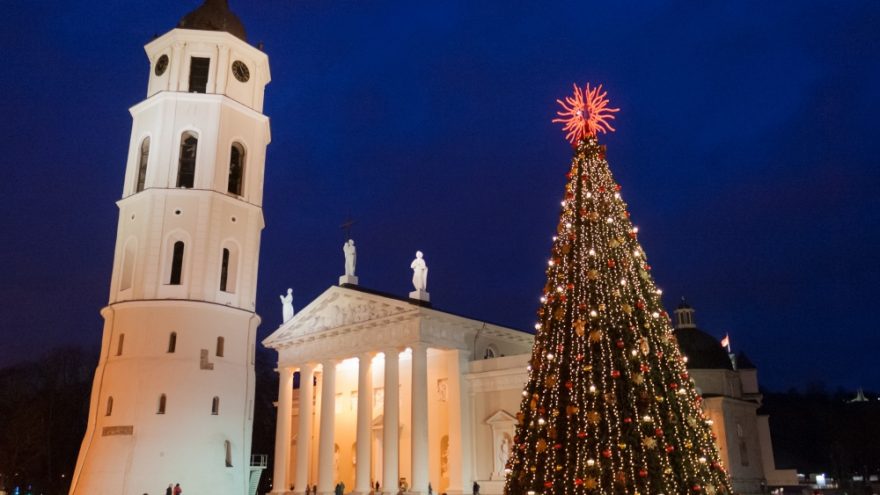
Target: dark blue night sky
x=745 y=145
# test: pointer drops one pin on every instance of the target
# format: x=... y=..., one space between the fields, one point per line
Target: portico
x=381 y=397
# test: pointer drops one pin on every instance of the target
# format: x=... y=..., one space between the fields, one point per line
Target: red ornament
x=643 y=473
x=617 y=187
x=578 y=481
x=658 y=432
x=569 y=174
x=582 y=306
x=611 y=263
x=673 y=385
x=582 y=434
x=606 y=453
x=601 y=189
x=548 y=484
x=615 y=374
x=627 y=420
x=697 y=488
x=562 y=297
x=569 y=195
x=557 y=446
x=580 y=357
x=560 y=348
x=620 y=344
x=640 y=304
x=569 y=385
x=669 y=448
x=684 y=376
x=644 y=367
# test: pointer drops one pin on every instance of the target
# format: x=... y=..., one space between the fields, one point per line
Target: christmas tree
x=609 y=407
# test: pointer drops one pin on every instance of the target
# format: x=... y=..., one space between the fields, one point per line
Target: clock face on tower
x=240 y=70
x=161 y=65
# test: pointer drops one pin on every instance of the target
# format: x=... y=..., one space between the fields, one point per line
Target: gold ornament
x=594 y=417
x=621 y=446
x=626 y=308
x=566 y=248
x=709 y=489
x=620 y=478
x=533 y=468
x=649 y=443
x=601 y=306
x=610 y=398
x=692 y=422
x=590 y=483
x=550 y=381
x=616 y=293
x=593 y=274
x=637 y=378
x=541 y=446
x=596 y=336
x=613 y=243
x=533 y=404
x=559 y=313
x=579 y=327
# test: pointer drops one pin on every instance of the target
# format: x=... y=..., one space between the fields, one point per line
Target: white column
x=280 y=480
x=304 y=432
x=326 y=442
x=391 y=425
x=419 y=418
x=364 y=419
x=460 y=420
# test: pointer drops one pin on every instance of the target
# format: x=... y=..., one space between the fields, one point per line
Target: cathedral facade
x=379 y=388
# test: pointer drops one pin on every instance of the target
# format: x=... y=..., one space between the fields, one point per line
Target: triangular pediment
x=500 y=417
x=336 y=308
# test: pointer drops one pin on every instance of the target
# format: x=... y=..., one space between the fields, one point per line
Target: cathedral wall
x=736 y=428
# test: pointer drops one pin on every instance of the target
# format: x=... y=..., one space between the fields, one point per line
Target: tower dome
x=214 y=15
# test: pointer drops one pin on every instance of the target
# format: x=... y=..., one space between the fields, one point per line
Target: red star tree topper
x=609 y=407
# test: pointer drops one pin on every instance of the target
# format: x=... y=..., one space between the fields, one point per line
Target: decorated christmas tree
x=609 y=407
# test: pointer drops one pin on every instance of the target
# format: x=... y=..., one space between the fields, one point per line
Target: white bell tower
x=172 y=399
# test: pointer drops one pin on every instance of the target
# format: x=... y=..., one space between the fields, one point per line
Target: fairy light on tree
x=609 y=407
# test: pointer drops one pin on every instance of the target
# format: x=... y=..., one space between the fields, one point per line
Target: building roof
x=702 y=350
x=214 y=15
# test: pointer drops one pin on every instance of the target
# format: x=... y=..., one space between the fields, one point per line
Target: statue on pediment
x=350 y=257
x=287 y=306
x=420 y=272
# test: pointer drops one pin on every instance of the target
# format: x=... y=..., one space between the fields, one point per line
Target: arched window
x=224 y=269
x=221 y=343
x=142 y=165
x=109 y=406
x=215 y=406
x=176 y=263
x=119 y=344
x=236 y=169
x=128 y=256
x=162 y=401
x=228 y=446
x=172 y=342
x=186 y=168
